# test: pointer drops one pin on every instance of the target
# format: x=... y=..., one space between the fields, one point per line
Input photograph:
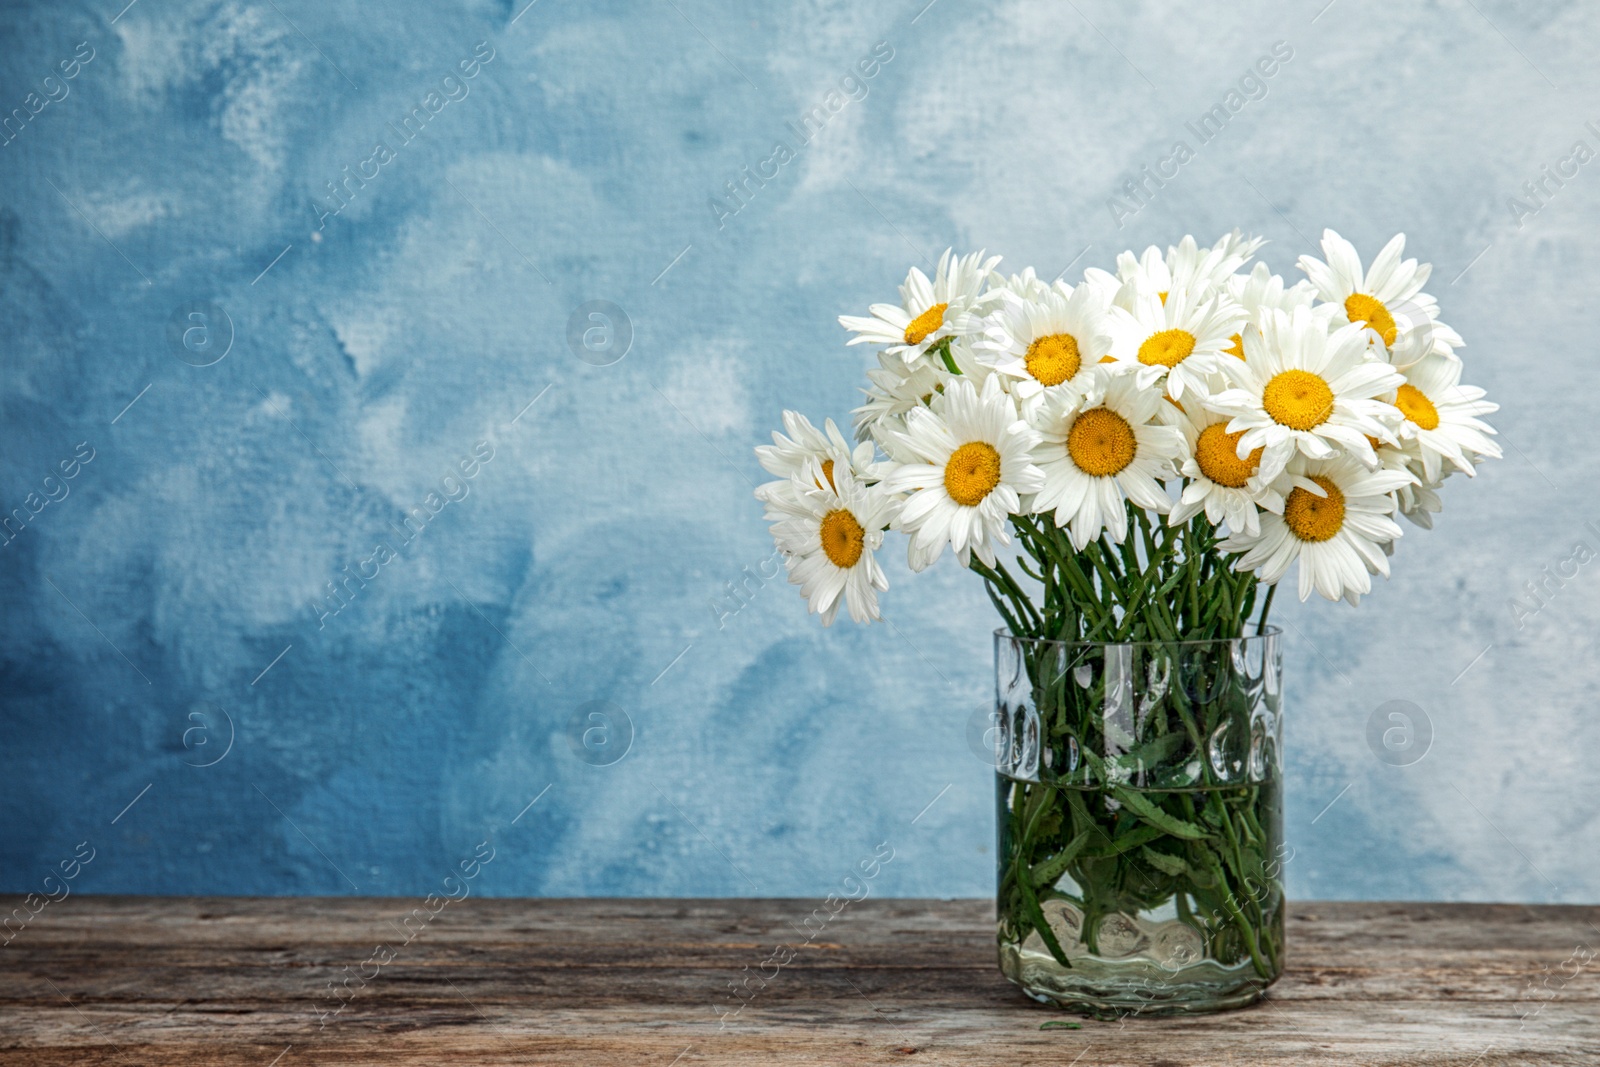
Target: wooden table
x=136 y=980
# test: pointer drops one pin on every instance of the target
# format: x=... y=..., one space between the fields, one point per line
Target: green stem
x=1261 y=623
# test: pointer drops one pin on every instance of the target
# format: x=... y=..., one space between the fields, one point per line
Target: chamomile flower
x=828 y=534
x=1417 y=501
x=928 y=312
x=1186 y=265
x=1027 y=285
x=1420 y=501
x=1174 y=337
x=1047 y=344
x=1336 y=520
x=896 y=388
x=1387 y=297
x=1147 y=271
x=1261 y=291
x=1441 y=417
x=787 y=457
x=969 y=468
x=1226 y=487
x=1200 y=270
x=1111 y=288
x=1305 y=388
x=1092 y=456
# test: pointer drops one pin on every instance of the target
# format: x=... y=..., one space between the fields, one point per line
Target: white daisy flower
x=1420 y=501
x=1201 y=270
x=1261 y=291
x=1303 y=388
x=1337 y=518
x=969 y=467
x=1051 y=343
x=1387 y=298
x=1027 y=285
x=1109 y=286
x=828 y=534
x=1094 y=456
x=896 y=388
x=1186 y=265
x=788 y=457
x=928 y=312
x=1227 y=488
x=1176 y=337
x=1146 y=271
x=1441 y=422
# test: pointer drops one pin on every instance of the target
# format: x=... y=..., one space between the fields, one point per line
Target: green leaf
x=1053 y=868
x=1125 y=842
x=1151 y=753
x=1060 y=1024
x=1164 y=863
x=1146 y=809
x=1030 y=903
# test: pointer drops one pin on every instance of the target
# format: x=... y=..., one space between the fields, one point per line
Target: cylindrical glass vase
x=1140 y=822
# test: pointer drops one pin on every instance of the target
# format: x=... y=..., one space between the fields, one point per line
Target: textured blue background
x=587 y=560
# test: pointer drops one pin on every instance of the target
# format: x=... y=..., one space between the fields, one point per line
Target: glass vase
x=1139 y=795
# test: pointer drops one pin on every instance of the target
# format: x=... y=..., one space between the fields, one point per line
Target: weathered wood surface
x=122 y=980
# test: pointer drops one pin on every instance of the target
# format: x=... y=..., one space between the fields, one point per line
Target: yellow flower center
x=842 y=538
x=827 y=472
x=1167 y=348
x=1298 y=399
x=1053 y=358
x=1416 y=406
x=972 y=471
x=1217 y=453
x=1311 y=517
x=1359 y=307
x=925 y=323
x=1101 y=442
x=1237 y=347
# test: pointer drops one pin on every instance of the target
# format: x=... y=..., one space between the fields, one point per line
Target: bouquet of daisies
x=1151 y=446
x=1159 y=441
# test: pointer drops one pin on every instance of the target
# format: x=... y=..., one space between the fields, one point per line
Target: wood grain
x=179 y=981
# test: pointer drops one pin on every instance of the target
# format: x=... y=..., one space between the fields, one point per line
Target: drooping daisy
x=1227 y=488
x=1337 y=517
x=1302 y=387
x=828 y=534
x=928 y=312
x=1419 y=502
x=787 y=457
x=1387 y=298
x=1050 y=343
x=1093 y=456
x=1441 y=422
x=1261 y=291
x=1179 y=339
x=969 y=468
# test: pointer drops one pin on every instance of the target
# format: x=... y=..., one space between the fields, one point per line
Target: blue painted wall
x=591 y=505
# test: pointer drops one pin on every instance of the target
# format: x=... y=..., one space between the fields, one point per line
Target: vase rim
x=1002 y=634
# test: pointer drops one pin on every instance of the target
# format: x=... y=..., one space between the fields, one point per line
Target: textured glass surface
x=1140 y=822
